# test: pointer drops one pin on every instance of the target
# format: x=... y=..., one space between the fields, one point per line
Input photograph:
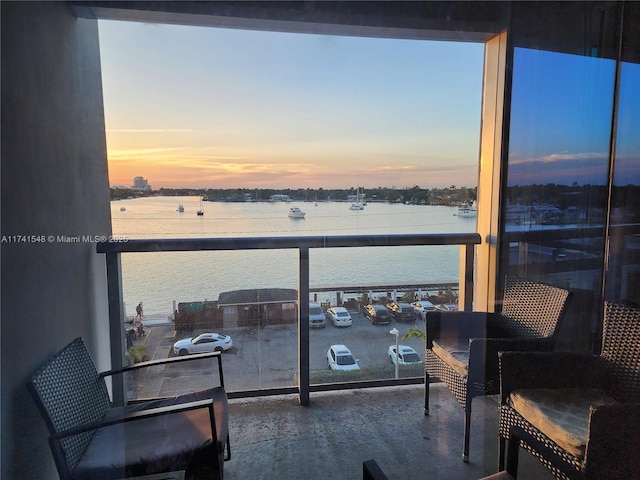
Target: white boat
x=295 y=212
x=360 y=201
x=468 y=211
x=181 y=208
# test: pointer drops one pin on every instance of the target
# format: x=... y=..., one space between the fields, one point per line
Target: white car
x=407 y=355
x=203 y=343
x=421 y=307
x=339 y=357
x=447 y=307
x=339 y=316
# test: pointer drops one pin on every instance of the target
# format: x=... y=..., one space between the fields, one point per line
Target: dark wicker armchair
x=581 y=412
x=92 y=440
x=462 y=347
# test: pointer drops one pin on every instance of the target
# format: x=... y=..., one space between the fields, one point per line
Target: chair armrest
x=549 y=370
x=483 y=353
x=138 y=415
x=169 y=360
x=613 y=443
x=462 y=324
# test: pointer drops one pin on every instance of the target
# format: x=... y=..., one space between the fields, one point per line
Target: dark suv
x=377 y=314
x=401 y=312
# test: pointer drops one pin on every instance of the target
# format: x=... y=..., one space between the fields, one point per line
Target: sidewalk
x=159 y=339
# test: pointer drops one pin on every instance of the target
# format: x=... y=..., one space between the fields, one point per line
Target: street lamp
x=394 y=331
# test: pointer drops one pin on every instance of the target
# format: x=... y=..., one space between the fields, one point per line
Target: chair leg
x=501 y=452
x=426 y=393
x=467 y=428
x=512 y=456
x=228 y=456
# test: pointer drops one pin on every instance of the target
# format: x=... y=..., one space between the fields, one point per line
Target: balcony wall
x=54 y=183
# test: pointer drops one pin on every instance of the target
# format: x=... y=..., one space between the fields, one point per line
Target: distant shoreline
x=450 y=196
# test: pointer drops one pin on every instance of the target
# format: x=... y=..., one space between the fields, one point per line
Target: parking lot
x=268 y=357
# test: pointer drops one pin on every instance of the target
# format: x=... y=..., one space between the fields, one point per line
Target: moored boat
x=295 y=212
x=468 y=211
x=360 y=201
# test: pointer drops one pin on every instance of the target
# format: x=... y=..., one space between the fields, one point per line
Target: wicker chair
x=581 y=412
x=462 y=347
x=92 y=440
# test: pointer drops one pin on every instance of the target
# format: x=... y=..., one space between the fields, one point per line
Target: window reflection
x=623 y=274
x=559 y=140
x=555 y=208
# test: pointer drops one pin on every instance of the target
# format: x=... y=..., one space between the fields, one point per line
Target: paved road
x=268 y=357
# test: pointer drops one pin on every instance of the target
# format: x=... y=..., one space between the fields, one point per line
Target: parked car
x=401 y=311
x=339 y=357
x=377 y=314
x=317 y=318
x=339 y=316
x=421 y=307
x=203 y=343
x=447 y=307
x=407 y=355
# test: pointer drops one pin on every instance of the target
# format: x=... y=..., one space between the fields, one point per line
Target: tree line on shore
x=415 y=195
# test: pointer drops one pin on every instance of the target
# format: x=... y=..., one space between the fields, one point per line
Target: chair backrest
x=533 y=309
x=69 y=392
x=621 y=349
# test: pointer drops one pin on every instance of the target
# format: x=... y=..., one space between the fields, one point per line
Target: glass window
x=623 y=272
x=555 y=208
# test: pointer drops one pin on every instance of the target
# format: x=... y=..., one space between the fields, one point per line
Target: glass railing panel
x=356 y=290
x=244 y=303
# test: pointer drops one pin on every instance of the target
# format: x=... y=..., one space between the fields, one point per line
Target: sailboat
x=359 y=204
x=200 y=212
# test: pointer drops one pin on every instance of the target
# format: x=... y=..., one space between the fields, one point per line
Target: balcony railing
x=303 y=245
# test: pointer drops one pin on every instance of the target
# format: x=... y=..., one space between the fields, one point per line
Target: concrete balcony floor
x=276 y=438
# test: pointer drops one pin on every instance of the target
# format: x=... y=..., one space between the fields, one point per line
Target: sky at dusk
x=569 y=100
x=225 y=108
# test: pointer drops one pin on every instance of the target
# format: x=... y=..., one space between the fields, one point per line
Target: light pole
x=394 y=331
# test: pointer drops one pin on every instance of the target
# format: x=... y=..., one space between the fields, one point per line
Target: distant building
x=140 y=184
x=279 y=197
x=258 y=307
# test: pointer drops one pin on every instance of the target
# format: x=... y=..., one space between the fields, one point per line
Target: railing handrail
x=260 y=243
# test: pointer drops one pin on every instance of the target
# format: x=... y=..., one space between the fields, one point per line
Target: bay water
x=158 y=279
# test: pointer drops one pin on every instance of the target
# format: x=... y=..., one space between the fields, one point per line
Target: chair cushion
x=454 y=353
x=562 y=414
x=156 y=444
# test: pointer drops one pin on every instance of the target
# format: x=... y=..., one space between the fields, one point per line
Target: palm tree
x=415 y=332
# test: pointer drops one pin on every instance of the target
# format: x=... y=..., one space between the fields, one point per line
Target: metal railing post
x=466 y=285
x=303 y=326
x=116 y=325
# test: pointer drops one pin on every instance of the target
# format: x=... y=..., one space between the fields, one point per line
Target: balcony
x=345 y=423
x=338 y=430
